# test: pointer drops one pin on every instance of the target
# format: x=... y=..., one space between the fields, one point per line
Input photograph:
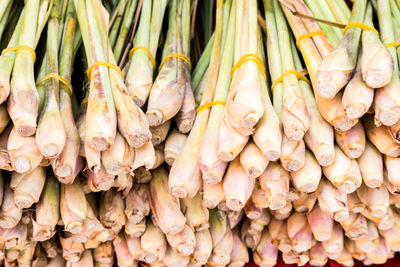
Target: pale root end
x=325 y=155
x=308 y=187
x=105 y=185
x=201 y=257
x=179 y=191
x=113 y=168
x=209 y=203
x=348 y=187
x=99 y=143
x=253 y=215
x=367 y=246
x=373 y=183
x=317 y=262
x=225 y=156
x=284 y=247
x=139 y=102
x=170 y=160
x=63 y=172
x=234 y=204
x=322 y=236
x=139 y=139
x=357 y=209
x=212 y=177
x=74 y=227
x=273 y=155
x=73 y=258
x=331 y=248
x=389 y=117
x=221 y=259
x=185 y=126
x=355 y=151
x=355 y=233
x=23 y=201
x=7 y=222
x=51 y=151
x=253 y=171
x=343 y=124
x=302 y=209
x=294 y=132
x=355 y=111
x=22 y=164
x=300 y=247
x=250 y=120
x=42 y=235
x=155 y=117
x=374 y=78
x=276 y=204
x=249 y=241
x=25 y=130
x=378 y=212
x=341 y=215
x=326 y=88
x=150 y=258
x=185 y=249
x=156 y=139
x=294 y=165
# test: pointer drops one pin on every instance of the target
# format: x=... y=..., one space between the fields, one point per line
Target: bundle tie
x=308 y=35
x=153 y=61
x=250 y=57
x=101 y=63
x=61 y=79
x=20 y=47
x=298 y=75
x=393 y=44
x=178 y=56
x=210 y=104
x=361 y=26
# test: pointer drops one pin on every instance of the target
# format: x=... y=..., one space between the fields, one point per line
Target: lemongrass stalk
x=283 y=213
x=203 y=248
x=376 y=63
x=294 y=116
x=100 y=180
x=5 y=7
x=173 y=258
x=211 y=166
x=113 y=157
x=221 y=235
x=124 y=30
x=23 y=152
x=134 y=246
x=252 y=160
x=10 y=214
x=380 y=137
x=318 y=256
x=299 y=232
x=213 y=194
x=4 y=118
x=24 y=113
x=71 y=250
x=234 y=217
x=293 y=154
x=368 y=242
x=390 y=237
x=340 y=10
x=200 y=71
x=173 y=146
x=278 y=231
x=237 y=186
x=371 y=166
x=183 y=242
x=335 y=242
x=124 y=258
x=164 y=206
x=333 y=201
x=112 y=210
x=384 y=223
x=321 y=223
x=308 y=177
x=28 y=187
x=392 y=179
x=101 y=122
x=159 y=133
x=376 y=200
x=26 y=255
x=386 y=99
x=266 y=252
x=144 y=156
x=93 y=229
x=196 y=214
x=295 y=258
x=104 y=253
x=354 y=203
x=319 y=8
x=239 y=253
x=258 y=196
x=5 y=162
x=337 y=68
x=305 y=203
x=116 y=20
x=50 y=133
x=47 y=211
x=274 y=181
x=73 y=212
x=344 y=173
x=352 y=142
x=251 y=210
x=153 y=245
x=137 y=203
x=135 y=229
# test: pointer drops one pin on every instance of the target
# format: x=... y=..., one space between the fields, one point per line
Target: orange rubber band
x=20 y=47
x=393 y=44
x=361 y=26
x=101 y=63
x=250 y=57
x=61 y=79
x=308 y=35
x=208 y=105
x=298 y=75
x=178 y=56
x=153 y=61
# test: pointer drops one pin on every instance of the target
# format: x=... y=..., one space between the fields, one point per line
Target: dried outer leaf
x=93 y=229
x=124 y=183
x=71 y=250
x=135 y=229
x=144 y=156
x=251 y=210
x=142 y=175
x=5 y=161
x=26 y=255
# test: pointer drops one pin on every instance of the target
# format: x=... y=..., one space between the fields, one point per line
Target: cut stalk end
x=22 y=164
x=155 y=117
x=99 y=143
x=389 y=117
x=179 y=191
x=212 y=177
x=234 y=204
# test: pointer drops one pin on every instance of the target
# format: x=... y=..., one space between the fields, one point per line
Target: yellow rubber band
x=308 y=35
x=250 y=57
x=208 y=105
x=179 y=56
x=20 y=47
x=361 y=26
x=61 y=79
x=101 y=63
x=153 y=61
x=298 y=75
x=393 y=44
x=84 y=101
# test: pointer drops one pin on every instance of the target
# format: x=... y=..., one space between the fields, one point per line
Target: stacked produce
x=154 y=153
